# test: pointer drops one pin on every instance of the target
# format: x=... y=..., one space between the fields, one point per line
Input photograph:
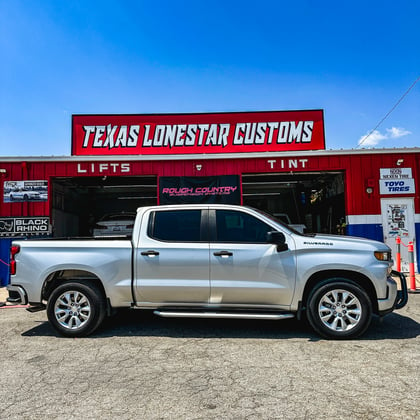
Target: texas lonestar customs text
x=182 y=135
x=197 y=133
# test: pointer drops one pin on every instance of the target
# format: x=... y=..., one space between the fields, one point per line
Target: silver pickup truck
x=209 y=261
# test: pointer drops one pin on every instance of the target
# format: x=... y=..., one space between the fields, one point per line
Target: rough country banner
x=224 y=189
x=240 y=132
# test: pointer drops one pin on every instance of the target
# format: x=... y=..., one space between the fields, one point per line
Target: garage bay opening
x=88 y=206
x=308 y=201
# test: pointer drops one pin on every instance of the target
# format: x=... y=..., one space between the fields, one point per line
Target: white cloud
x=396 y=132
x=371 y=140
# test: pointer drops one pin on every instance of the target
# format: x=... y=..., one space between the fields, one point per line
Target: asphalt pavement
x=138 y=366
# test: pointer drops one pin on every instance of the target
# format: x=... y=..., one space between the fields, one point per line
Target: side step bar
x=230 y=315
x=36 y=308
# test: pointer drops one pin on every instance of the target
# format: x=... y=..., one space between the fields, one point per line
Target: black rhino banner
x=24 y=226
x=224 y=189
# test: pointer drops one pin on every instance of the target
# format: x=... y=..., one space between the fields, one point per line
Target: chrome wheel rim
x=339 y=310
x=72 y=310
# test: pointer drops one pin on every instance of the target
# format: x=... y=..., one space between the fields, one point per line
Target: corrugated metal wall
x=360 y=171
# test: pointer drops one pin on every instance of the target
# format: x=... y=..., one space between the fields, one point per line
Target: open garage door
x=309 y=201
x=79 y=203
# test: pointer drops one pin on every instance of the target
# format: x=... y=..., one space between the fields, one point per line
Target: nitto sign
x=197 y=133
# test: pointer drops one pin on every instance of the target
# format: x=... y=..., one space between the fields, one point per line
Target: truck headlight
x=383 y=255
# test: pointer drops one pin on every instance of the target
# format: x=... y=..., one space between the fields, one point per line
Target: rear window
x=176 y=225
x=116 y=217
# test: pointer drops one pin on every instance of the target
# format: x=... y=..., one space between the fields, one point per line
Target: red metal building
x=277 y=160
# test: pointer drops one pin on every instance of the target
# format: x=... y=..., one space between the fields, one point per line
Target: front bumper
x=402 y=295
x=397 y=298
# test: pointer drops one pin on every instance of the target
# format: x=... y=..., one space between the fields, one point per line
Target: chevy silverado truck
x=209 y=261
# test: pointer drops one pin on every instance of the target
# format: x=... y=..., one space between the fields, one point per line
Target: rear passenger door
x=172 y=260
x=244 y=268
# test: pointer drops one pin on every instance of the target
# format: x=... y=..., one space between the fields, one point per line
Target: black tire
x=76 y=309
x=339 y=309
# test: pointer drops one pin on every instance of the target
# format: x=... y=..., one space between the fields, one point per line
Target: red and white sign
x=240 y=132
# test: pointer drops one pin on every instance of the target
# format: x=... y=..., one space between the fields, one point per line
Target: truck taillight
x=13 y=251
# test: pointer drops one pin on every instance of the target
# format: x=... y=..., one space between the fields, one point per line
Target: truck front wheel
x=339 y=309
x=75 y=309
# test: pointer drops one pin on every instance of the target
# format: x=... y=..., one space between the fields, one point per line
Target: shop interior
x=310 y=202
x=79 y=203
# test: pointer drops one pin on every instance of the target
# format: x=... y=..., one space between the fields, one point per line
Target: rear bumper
x=17 y=295
x=396 y=298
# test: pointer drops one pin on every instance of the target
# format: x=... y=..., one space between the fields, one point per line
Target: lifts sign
x=242 y=132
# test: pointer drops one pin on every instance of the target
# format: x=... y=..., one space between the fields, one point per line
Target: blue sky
x=355 y=60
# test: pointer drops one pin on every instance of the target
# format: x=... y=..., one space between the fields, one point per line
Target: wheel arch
x=326 y=276
x=59 y=277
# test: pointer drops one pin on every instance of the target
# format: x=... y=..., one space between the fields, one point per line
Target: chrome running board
x=230 y=315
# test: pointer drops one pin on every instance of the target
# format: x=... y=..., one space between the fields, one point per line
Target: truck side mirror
x=277 y=238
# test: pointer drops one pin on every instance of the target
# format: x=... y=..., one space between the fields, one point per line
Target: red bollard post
x=398 y=254
x=411 y=267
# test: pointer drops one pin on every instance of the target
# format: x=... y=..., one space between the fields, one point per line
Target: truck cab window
x=177 y=226
x=235 y=226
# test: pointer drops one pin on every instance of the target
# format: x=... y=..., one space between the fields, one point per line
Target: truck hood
x=339 y=241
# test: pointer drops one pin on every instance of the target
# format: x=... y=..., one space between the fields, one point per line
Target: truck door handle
x=223 y=254
x=150 y=253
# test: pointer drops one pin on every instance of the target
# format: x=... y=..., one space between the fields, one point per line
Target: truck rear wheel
x=339 y=309
x=75 y=309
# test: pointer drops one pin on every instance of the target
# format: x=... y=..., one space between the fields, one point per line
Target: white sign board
x=395 y=173
x=398 y=220
x=397 y=186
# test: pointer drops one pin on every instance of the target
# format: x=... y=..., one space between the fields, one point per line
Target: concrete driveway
x=142 y=367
